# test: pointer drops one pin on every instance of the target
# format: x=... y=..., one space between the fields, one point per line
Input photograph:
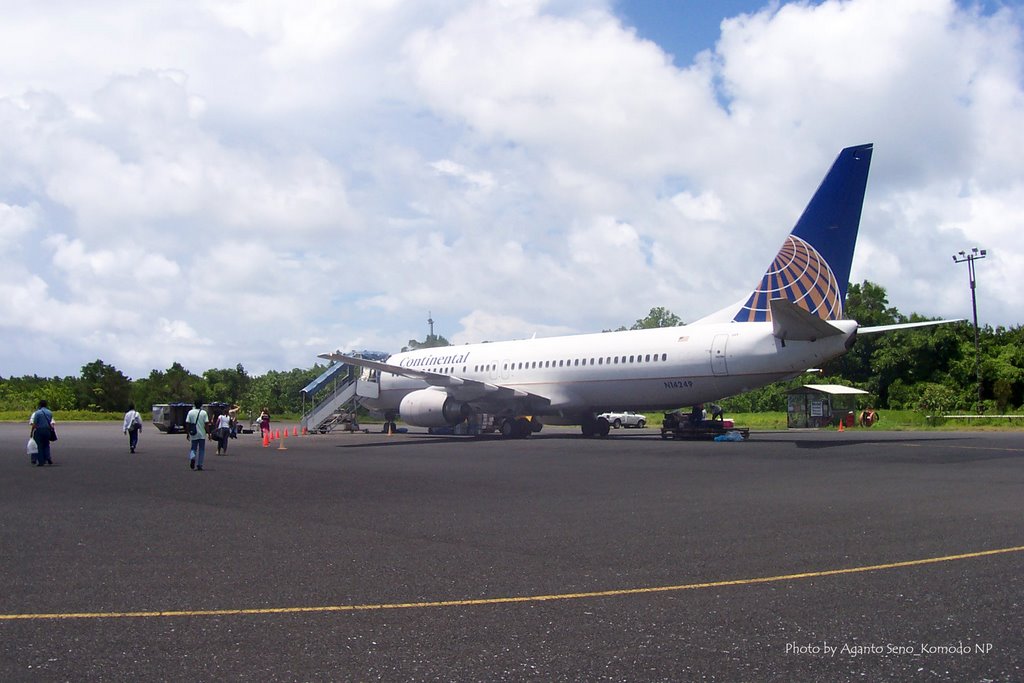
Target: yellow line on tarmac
x=508 y=600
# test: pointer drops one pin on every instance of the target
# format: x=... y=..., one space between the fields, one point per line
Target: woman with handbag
x=43 y=431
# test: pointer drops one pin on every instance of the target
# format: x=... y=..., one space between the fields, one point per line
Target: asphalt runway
x=793 y=556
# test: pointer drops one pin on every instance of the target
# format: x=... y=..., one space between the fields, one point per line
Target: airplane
x=791 y=321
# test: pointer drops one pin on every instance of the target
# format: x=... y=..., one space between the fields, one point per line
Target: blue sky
x=682 y=28
x=220 y=182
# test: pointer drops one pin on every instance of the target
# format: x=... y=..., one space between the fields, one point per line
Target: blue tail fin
x=812 y=269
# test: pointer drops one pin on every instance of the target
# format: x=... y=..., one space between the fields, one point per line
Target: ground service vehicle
x=624 y=419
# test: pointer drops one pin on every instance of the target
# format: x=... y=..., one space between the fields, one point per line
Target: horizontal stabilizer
x=905 y=326
x=791 y=322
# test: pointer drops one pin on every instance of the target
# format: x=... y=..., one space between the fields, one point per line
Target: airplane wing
x=905 y=326
x=461 y=388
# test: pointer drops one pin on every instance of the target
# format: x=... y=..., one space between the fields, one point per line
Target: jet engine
x=432 y=408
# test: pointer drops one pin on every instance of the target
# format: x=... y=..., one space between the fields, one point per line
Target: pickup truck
x=624 y=419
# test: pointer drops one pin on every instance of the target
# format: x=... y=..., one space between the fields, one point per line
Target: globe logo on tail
x=801 y=275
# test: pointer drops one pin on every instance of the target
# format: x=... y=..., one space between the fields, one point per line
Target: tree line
x=101 y=387
x=930 y=369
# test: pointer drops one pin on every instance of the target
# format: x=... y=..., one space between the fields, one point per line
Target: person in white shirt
x=132 y=426
x=222 y=432
x=195 y=429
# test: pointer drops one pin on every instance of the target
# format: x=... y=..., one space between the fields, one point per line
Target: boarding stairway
x=337 y=408
x=341 y=401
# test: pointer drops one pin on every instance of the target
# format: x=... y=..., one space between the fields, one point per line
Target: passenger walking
x=132 y=426
x=195 y=428
x=222 y=433
x=265 y=424
x=233 y=416
x=43 y=431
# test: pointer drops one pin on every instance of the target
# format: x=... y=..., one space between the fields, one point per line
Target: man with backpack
x=195 y=429
x=132 y=426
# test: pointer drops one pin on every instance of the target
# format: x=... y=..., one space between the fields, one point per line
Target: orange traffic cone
x=295 y=431
x=266 y=439
x=282 y=446
x=841 y=425
x=305 y=432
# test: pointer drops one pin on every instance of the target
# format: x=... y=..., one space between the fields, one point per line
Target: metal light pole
x=969 y=258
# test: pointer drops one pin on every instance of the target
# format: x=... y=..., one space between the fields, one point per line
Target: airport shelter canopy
x=821 y=405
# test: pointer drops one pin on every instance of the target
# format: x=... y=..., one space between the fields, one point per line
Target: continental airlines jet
x=791 y=321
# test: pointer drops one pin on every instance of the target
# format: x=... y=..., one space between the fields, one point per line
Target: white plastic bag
x=32 y=448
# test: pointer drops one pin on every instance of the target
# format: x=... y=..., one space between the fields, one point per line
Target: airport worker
x=716 y=412
x=222 y=432
x=132 y=426
x=195 y=429
x=43 y=431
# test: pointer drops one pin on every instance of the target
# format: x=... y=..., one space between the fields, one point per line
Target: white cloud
x=17 y=221
x=216 y=182
x=480 y=325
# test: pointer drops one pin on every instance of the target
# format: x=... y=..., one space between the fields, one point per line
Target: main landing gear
x=595 y=426
x=518 y=427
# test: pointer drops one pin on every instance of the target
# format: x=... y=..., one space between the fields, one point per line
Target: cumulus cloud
x=17 y=221
x=220 y=182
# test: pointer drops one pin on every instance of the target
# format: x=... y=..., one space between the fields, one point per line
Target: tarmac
x=863 y=555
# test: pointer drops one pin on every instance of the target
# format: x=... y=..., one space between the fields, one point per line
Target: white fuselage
x=653 y=369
